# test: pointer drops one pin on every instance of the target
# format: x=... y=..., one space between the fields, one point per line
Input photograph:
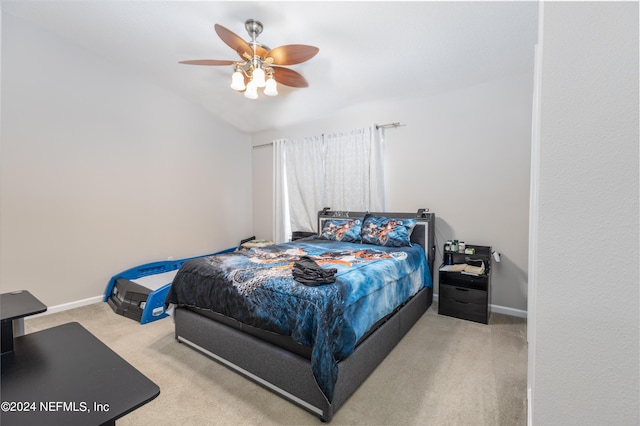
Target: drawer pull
x=462 y=289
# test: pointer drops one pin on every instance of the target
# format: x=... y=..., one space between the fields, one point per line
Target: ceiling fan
x=260 y=66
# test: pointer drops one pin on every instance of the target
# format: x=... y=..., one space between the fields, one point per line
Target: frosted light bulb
x=237 y=81
x=252 y=91
x=258 y=77
x=271 y=88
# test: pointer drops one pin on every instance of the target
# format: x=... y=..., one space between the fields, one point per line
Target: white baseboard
x=508 y=311
x=66 y=306
x=70 y=305
x=529 y=408
x=500 y=309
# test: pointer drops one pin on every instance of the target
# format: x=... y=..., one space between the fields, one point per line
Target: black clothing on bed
x=306 y=271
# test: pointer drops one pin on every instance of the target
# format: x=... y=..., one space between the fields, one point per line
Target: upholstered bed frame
x=289 y=374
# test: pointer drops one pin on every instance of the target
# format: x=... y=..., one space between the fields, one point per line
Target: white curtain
x=281 y=227
x=304 y=165
x=344 y=171
x=354 y=170
x=377 y=178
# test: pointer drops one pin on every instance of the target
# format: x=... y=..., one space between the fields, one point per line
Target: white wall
x=584 y=343
x=102 y=170
x=465 y=155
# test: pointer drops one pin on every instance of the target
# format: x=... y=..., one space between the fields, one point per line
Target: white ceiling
x=369 y=51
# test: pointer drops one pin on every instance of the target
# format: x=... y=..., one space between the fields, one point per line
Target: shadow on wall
x=443 y=233
x=516 y=278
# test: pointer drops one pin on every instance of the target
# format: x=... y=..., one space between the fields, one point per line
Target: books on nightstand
x=475 y=268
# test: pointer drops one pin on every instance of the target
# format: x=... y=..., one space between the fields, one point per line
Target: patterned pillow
x=385 y=231
x=346 y=230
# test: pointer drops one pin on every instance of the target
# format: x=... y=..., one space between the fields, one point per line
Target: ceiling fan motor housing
x=254 y=28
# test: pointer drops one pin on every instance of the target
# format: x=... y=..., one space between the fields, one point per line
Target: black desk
x=14 y=307
x=66 y=376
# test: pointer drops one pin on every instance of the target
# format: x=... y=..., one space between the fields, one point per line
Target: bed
x=311 y=319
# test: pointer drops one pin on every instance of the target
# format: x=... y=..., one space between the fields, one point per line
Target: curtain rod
x=264 y=144
x=388 y=125
x=378 y=126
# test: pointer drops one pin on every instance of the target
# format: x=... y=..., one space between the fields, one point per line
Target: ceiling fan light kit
x=260 y=66
x=237 y=80
x=271 y=87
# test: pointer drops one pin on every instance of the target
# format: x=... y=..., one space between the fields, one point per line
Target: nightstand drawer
x=463 y=295
x=458 y=279
x=463 y=310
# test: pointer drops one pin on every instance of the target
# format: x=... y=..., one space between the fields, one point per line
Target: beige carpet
x=445 y=371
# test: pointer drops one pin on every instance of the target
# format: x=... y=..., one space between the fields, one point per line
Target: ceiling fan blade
x=214 y=62
x=289 y=77
x=233 y=40
x=292 y=54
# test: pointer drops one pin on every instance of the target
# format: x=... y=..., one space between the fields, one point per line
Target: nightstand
x=462 y=294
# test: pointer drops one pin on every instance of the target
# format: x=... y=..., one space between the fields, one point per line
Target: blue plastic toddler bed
x=139 y=292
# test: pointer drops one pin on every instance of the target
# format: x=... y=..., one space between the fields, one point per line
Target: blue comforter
x=256 y=287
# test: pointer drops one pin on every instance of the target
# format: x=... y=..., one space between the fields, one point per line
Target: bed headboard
x=423 y=233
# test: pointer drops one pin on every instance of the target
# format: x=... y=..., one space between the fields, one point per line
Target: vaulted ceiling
x=369 y=51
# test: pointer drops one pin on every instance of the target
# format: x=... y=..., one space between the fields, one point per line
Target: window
x=344 y=171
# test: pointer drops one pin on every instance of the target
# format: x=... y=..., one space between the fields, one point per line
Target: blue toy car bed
x=139 y=293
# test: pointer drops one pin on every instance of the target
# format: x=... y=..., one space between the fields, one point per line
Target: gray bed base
x=290 y=375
